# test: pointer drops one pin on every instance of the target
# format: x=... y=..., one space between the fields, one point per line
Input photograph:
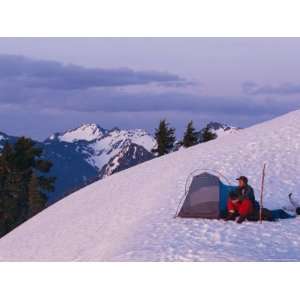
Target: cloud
x=115 y=101
x=30 y=73
x=179 y=102
x=252 y=88
x=30 y=89
x=40 y=123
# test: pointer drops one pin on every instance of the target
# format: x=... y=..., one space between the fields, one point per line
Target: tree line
x=23 y=184
x=166 y=139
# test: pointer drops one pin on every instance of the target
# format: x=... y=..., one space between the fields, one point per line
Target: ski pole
x=262 y=193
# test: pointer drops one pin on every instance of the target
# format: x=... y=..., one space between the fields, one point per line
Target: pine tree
x=36 y=199
x=21 y=183
x=9 y=190
x=165 y=138
x=207 y=135
x=190 y=137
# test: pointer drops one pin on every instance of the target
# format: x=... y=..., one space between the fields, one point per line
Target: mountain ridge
x=89 y=152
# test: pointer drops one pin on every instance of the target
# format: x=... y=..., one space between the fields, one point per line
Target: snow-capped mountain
x=130 y=216
x=110 y=146
x=103 y=149
x=89 y=153
x=130 y=155
x=86 y=132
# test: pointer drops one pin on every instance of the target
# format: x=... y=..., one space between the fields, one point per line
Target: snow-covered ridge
x=130 y=215
x=92 y=132
x=4 y=138
x=221 y=129
x=93 y=152
x=89 y=152
x=101 y=150
x=137 y=136
x=131 y=154
x=85 y=132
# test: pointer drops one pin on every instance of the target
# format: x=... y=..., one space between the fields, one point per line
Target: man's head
x=243 y=181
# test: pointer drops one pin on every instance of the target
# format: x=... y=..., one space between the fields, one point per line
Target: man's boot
x=231 y=216
x=241 y=220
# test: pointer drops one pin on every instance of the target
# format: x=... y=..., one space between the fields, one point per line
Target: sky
x=54 y=84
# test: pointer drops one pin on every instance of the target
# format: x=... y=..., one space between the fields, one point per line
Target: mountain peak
x=85 y=132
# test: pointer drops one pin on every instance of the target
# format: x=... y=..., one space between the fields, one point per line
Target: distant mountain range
x=90 y=152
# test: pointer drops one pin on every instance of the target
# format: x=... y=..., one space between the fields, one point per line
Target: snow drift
x=129 y=215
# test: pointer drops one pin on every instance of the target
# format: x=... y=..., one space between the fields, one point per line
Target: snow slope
x=129 y=215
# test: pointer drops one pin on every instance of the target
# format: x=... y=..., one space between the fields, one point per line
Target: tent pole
x=262 y=193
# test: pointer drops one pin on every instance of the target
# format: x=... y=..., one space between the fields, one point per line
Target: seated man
x=242 y=203
x=242 y=208
x=245 y=190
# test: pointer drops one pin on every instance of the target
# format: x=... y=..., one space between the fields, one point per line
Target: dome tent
x=206 y=197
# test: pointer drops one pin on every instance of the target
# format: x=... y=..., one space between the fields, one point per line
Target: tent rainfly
x=206 y=198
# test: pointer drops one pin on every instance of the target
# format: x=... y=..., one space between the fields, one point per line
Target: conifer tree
x=22 y=183
x=165 y=138
x=190 y=137
x=36 y=199
x=9 y=190
x=207 y=135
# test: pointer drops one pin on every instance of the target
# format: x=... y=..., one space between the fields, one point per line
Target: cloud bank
x=31 y=73
x=32 y=91
x=288 y=88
